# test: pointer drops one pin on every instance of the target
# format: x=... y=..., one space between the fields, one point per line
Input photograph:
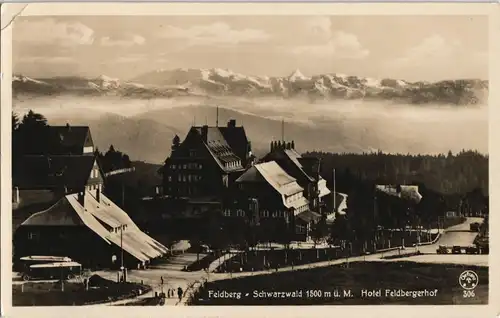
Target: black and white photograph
x=201 y=160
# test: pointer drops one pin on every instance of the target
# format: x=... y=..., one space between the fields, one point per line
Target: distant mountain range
x=219 y=82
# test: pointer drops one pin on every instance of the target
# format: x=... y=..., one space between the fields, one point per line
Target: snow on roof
x=135 y=242
x=278 y=178
x=403 y=191
x=323 y=189
x=56 y=264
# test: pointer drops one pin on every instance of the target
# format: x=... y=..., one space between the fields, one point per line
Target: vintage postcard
x=177 y=157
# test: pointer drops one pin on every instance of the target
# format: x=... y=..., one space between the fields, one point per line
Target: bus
x=55 y=270
x=25 y=261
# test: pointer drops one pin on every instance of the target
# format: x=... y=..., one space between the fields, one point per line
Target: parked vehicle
x=442 y=249
x=472 y=250
x=56 y=270
x=25 y=261
x=456 y=250
x=475 y=227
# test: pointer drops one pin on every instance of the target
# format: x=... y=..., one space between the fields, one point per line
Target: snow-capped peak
x=297 y=74
x=26 y=79
x=107 y=82
x=107 y=78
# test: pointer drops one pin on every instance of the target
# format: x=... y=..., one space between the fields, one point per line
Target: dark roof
x=68 y=137
x=50 y=172
x=219 y=147
x=237 y=139
x=290 y=161
x=308 y=216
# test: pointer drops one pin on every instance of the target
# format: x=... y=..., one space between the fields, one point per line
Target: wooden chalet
x=305 y=170
x=279 y=206
x=206 y=163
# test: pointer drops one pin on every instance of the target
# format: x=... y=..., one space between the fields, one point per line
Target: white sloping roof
x=323 y=189
x=59 y=214
x=342 y=205
x=135 y=242
x=278 y=178
x=407 y=191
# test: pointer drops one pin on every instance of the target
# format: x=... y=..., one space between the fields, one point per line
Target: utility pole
x=123 y=195
x=283 y=130
x=217 y=118
x=334 y=192
x=121 y=247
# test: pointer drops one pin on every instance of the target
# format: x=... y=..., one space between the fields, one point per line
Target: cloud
x=432 y=48
x=46 y=60
x=340 y=45
x=51 y=32
x=129 y=59
x=138 y=57
x=320 y=25
x=215 y=33
x=126 y=41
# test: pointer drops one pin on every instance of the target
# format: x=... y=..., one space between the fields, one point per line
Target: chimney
x=98 y=195
x=204 y=132
x=68 y=126
x=81 y=198
x=231 y=123
x=293 y=145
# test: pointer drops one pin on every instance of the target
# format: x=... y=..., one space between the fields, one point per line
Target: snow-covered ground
x=463 y=259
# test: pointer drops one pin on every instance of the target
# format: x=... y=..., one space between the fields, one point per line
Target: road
x=174 y=277
x=455 y=235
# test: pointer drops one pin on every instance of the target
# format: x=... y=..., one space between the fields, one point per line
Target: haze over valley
x=144 y=128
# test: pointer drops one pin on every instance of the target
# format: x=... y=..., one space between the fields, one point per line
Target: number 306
x=469 y=293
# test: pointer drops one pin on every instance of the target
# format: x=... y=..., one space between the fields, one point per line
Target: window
x=32 y=236
x=200 y=166
x=183 y=178
x=275 y=214
x=240 y=213
x=300 y=229
x=184 y=166
x=173 y=167
x=192 y=153
x=179 y=178
x=226 y=212
x=189 y=178
x=169 y=178
x=265 y=213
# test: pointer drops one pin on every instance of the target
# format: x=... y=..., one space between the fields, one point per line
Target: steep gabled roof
x=295 y=157
x=68 y=211
x=68 y=137
x=50 y=172
x=289 y=159
x=273 y=174
x=219 y=148
x=236 y=138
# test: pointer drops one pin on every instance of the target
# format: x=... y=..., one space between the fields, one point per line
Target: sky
x=412 y=48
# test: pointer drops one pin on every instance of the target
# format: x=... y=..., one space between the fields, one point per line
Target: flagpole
x=334 y=192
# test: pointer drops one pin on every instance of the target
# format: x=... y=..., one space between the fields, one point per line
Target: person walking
x=179 y=293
